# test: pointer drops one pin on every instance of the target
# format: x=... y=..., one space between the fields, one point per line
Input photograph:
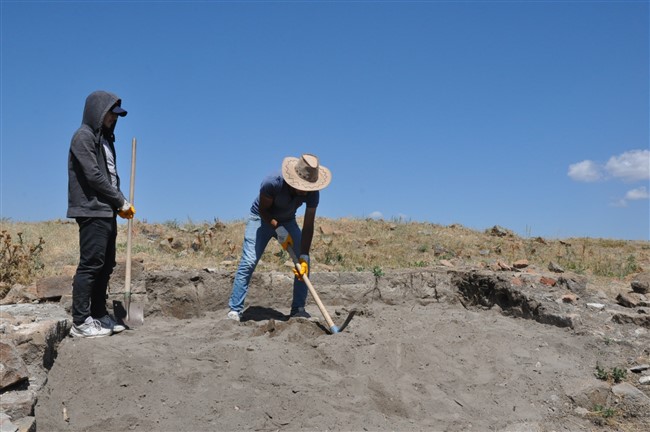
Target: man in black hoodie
x=94 y=200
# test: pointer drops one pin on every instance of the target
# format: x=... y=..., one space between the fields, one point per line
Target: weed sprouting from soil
x=604 y=412
x=617 y=374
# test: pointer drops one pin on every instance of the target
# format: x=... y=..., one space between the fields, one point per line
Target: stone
x=439 y=250
x=6 y=425
x=498 y=231
x=522 y=263
x=26 y=424
x=12 y=367
x=36 y=330
x=555 y=268
x=639 y=368
x=644 y=379
x=517 y=281
x=53 y=287
x=597 y=306
x=19 y=404
x=119 y=273
x=547 y=281
x=569 y=298
x=641 y=283
x=165 y=245
x=628 y=318
x=19 y=294
x=587 y=394
x=573 y=284
x=629 y=392
x=581 y=411
x=626 y=300
x=503 y=266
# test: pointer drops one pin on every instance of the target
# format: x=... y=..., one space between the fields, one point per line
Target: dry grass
x=344 y=245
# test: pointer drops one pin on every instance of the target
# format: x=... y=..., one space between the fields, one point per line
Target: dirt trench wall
x=187 y=294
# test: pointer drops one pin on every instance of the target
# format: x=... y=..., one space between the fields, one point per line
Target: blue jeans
x=257 y=236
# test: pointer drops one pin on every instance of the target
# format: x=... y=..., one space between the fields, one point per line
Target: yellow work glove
x=304 y=267
x=284 y=238
x=127 y=211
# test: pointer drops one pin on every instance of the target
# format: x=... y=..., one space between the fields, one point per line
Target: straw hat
x=305 y=174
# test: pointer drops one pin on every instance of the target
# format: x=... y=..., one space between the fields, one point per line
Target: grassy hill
x=33 y=250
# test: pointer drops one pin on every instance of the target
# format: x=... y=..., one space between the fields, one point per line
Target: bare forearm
x=307 y=236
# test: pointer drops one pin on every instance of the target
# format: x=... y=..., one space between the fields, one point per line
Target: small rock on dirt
x=626 y=300
x=641 y=283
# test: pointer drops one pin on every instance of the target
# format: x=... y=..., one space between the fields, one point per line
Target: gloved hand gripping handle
x=333 y=328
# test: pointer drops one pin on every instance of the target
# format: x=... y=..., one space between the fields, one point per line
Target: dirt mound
x=423 y=361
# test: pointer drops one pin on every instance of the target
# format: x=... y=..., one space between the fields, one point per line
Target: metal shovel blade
x=131 y=316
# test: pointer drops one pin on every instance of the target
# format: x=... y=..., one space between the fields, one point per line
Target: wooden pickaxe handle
x=333 y=328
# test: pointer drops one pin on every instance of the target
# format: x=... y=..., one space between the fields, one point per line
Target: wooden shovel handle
x=313 y=292
x=129 y=228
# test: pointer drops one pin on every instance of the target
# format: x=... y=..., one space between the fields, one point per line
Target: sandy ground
x=438 y=367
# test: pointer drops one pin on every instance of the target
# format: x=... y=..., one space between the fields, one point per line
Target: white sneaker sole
x=233 y=317
x=81 y=335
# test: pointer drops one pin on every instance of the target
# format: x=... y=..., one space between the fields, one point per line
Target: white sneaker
x=91 y=328
x=108 y=322
x=234 y=315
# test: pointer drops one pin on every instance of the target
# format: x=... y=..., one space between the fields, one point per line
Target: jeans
x=96 y=261
x=257 y=236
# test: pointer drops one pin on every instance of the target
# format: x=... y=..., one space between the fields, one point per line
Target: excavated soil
x=407 y=367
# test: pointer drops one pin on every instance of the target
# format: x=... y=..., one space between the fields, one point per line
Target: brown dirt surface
x=422 y=352
x=406 y=367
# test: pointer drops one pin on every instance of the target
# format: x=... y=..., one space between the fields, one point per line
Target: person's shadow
x=259 y=313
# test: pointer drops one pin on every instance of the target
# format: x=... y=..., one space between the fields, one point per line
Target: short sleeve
x=313 y=199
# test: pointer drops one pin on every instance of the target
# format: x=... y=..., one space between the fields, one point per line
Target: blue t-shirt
x=284 y=203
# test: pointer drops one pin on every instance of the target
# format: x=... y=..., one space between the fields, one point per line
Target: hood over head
x=98 y=103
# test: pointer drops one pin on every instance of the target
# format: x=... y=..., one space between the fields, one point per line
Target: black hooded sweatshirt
x=90 y=192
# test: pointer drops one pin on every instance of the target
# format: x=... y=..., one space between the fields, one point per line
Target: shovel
x=131 y=314
x=333 y=328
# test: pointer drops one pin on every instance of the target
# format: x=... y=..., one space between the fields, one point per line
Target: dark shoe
x=108 y=322
x=299 y=313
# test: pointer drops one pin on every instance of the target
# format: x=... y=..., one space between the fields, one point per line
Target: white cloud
x=585 y=171
x=630 y=166
x=639 y=193
x=376 y=215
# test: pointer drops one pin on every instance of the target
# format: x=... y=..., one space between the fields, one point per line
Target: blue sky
x=529 y=115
